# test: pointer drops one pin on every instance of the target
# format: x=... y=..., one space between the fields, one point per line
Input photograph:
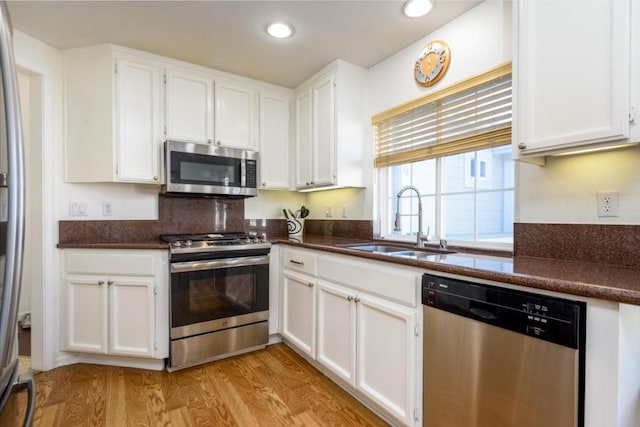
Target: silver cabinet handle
x=100 y=282
x=264 y=184
x=310 y=285
x=349 y=298
x=357 y=300
x=155 y=178
x=522 y=146
x=293 y=261
x=110 y=282
x=218 y=142
x=209 y=141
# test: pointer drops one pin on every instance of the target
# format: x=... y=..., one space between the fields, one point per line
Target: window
x=454 y=147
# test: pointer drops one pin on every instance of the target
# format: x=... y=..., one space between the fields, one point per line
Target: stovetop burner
x=213 y=242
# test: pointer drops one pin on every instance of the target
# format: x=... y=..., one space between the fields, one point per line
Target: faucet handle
x=443 y=244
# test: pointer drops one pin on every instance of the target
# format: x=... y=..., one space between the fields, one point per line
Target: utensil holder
x=295 y=226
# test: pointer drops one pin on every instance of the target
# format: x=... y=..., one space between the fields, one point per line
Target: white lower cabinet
x=369 y=343
x=299 y=311
x=337 y=330
x=359 y=320
x=116 y=303
x=386 y=355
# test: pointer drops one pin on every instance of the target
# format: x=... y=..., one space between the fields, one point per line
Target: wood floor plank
x=270 y=387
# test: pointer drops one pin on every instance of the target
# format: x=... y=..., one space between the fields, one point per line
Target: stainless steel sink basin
x=400 y=251
x=422 y=255
x=381 y=249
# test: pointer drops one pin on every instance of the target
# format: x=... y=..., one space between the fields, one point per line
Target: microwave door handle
x=243 y=173
x=182 y=267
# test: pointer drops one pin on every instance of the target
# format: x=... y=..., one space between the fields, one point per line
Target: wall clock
x=432 y=63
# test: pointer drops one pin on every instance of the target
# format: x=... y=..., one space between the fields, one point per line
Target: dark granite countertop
x=588 y=279
x=154 y=244
x=594 y=280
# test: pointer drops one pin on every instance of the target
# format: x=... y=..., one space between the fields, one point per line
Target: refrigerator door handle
x=26 y=381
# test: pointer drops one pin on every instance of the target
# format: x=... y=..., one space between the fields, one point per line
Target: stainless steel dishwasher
x=501 y=358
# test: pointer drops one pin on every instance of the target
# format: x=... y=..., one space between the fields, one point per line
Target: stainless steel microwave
x=209 y=170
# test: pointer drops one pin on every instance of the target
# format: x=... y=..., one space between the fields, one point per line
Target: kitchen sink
x=400 y=251
x=422 y=255
x=380 y=249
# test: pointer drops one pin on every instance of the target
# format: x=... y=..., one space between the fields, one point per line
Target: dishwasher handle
x=483 y=314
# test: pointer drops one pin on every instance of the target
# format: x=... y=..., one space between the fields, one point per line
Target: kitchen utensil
x=291 y=214
x=297 y=214
x=304 y=212
x=286 y=215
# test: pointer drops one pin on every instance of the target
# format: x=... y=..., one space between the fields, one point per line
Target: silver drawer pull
x=310 y=285
x=292 y=261
x=349 y=298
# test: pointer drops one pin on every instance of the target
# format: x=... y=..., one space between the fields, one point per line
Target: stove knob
x=188 y=243
x=175 y=244
x=256 y=239
x=247 y=239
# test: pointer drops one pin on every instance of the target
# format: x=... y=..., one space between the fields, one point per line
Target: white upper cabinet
x=235 y=115
x=113 y=116
x=207 y=109
x=303 y=139
x=189 y=106
x=274 y=141
x=572 y=69
x=330 y=128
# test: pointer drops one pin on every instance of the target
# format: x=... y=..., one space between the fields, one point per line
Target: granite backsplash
x=604 y=244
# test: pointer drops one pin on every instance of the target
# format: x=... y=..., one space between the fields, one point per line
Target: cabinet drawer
x=105 y=262
x=302 y=261
x=378 y=278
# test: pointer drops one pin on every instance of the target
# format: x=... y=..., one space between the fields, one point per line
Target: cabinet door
x=303 y=139
x=299 y=311
x=131 y=316
x=336 y=346
x=86 y=314
x=274 y=142
x=138 y=122
x=189 y=106
x=323 y=144
x=386 y=355
x=235 y=115
x=571 y=74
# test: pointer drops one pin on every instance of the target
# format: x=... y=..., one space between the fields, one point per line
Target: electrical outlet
x=107 y=209
x=77 y=209
x=607 y=203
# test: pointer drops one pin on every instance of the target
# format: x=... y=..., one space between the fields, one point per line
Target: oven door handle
x=181 y=267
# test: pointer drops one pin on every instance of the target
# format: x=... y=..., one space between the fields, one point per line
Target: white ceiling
x=231 y=36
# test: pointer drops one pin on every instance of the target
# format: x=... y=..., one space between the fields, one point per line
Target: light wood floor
x=271 y=387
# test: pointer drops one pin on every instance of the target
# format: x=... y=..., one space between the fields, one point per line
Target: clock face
x=432 y=63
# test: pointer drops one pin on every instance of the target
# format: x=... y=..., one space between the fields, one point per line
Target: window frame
x=386 y=210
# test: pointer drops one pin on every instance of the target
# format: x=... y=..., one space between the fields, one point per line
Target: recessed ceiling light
x=280 y=30
x=416 y=8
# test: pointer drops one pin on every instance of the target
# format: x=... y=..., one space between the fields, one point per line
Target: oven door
x=213 y=295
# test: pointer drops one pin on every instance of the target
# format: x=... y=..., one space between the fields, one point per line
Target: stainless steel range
x=219 y=299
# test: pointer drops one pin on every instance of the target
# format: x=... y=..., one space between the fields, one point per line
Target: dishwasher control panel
x=553 y=319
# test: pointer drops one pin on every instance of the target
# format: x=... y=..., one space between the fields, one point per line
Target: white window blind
x=467 y=116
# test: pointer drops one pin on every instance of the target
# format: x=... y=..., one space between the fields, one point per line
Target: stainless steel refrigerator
x=13 y=387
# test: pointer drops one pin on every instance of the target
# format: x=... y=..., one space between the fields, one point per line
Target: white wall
x=269 y=204
x=44 y=66
x=564 y=191
x=479 y=40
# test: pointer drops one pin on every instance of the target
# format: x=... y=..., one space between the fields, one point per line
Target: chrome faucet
x=420 y=238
